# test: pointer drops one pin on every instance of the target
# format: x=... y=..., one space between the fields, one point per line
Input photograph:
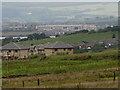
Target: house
x=90 y=44
x=13 y=50
x=40 y=49
x=37 y=49
x=33 y=49
x=109 y=42
x=52 y=36
x=85 y=44
x=58 y=48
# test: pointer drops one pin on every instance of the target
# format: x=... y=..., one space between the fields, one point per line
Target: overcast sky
x=59 y=0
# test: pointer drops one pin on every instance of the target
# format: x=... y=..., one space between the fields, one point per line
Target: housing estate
x=90 y=44
x=13 y=50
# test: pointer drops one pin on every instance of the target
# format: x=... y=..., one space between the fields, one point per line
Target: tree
x=98 y=48
x=110 y=29
x=7 y=40
x=113 y=36
x=92 y=31
x=36 y=36
x=84 y=31
x=79 y=50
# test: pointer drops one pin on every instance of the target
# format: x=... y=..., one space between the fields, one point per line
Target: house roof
x=85 y=43
x=58 y=45
x=40 y=47
x=14 y=46
x=113 y=41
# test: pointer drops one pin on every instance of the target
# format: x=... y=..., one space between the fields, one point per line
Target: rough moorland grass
x=61 y=64
x=99 y=77
x=73 y=38
x=108 y=54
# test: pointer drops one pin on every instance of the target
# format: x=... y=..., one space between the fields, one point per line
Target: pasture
x=74 y=38
x=78 y=70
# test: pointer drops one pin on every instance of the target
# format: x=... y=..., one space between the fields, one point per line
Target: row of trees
x=108 y=29
x=34 y=36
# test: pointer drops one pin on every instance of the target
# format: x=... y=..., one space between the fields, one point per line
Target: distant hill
x=74 y=38
x=59 y=12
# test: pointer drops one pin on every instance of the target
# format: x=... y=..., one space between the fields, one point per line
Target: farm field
x=74 y=38
x=78 y=70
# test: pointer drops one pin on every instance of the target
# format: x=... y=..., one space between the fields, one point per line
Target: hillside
x=60 y=12
x=74 y=38
x=95 y=69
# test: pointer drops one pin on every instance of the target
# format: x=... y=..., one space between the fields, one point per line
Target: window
x=64 y=27
x=69 y=49
x=9 y=50
x=55 y=49
x=75 y=27
x=16 y=50
x=64 y=49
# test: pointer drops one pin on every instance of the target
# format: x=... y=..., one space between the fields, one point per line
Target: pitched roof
x=41 y=46
x=58 y=45
x=113 y=41
x=14 y=46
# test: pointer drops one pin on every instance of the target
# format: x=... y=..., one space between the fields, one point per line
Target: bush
x=33 y=56
x=60 y=71
x=98 y=48
x=62 y=53
x=78 y=50
x=108 y=54
x=92 y=31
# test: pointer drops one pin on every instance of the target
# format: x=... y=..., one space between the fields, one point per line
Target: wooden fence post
x=23 y=83
x=114 y=76
x=78 y=86
x=38 y=82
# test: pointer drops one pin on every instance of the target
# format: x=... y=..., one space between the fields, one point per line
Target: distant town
x=16 y=29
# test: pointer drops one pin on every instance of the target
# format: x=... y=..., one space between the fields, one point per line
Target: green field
x=61 y=64
x=74 y=38
x=57 y=71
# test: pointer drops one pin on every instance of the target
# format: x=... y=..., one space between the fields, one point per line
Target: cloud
x=29 y=13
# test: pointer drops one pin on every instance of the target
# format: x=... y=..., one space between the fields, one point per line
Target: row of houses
x=90 y=44
x=68 y=27
x=28 y=26
x=18 y=27
x=15 y=51
x=53 y=30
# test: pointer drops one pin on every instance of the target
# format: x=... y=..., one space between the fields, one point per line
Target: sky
x=55 y=1
x=59 y=0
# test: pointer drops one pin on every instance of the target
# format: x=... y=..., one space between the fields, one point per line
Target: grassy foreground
x=74 y=38
x=78 y=70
